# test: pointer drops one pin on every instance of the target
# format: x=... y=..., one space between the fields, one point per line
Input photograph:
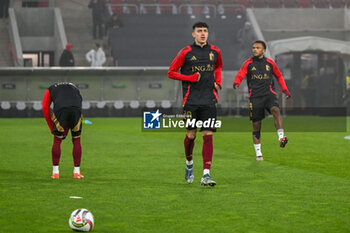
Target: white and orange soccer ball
x=81 y=220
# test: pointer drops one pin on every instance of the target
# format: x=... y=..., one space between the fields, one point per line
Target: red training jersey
x=205 y=60
x=259 y=73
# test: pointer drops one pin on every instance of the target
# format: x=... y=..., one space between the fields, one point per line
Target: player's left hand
x=217 y=87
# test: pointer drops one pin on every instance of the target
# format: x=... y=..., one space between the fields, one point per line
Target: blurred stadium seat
x=43 y=4
x=150 y=104
x=134 y=104
x=21 y=105
x=5 y=105
x=337 y=3
x=86 y=105
x=245 y=3
x=165 y=104
x=134 y=2
x=258 y=3
x=117 y=6
x=304 y=3
x=289 y=3
x=118 y=104
x=274 y=3
x=321 y=4
x=347 y=3
x=37 y=105
x=101 y=104
x=166 y=6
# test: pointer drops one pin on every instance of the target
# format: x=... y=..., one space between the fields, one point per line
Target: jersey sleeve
x=46 y=108
x=218 y=70
x=175 y=66
x=241 y=73
x=277 y=73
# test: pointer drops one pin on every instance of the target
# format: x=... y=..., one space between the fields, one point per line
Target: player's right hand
x=199 y=76
x=287 y=93
x=235 y=85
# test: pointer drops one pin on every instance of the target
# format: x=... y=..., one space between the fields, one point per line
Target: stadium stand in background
x=152 y=18
x=303 y=36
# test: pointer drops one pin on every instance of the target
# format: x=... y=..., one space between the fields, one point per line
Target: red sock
x=207 y=151
x=76 y=151
x=189 y=144
x=56 y=151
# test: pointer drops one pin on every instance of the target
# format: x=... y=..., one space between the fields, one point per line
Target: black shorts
x=65 y=119
x=202 y=113
x=258 y=105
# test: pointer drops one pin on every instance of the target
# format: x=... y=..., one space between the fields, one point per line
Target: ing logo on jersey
x=267 y=67
x=194 y=58
x=253 y=68
x=211 y=56
x=203 y=68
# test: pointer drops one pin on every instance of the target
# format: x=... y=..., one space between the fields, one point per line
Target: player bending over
x=259 y=71
x=66 y=115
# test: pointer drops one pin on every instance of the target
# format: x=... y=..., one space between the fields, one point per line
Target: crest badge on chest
x=211 y=56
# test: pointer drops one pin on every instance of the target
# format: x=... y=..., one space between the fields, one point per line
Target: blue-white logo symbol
x=151 y=120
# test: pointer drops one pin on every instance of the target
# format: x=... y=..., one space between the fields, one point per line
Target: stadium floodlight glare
x=101 y=104
x=118 y=104
x=134 y=104
x=5 y=105
x=86 y=105
x=150 y=104
x=37 y=106
x=165 y=104
x=20 y=105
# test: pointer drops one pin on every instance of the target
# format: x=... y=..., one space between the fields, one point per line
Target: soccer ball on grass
x=81 y=220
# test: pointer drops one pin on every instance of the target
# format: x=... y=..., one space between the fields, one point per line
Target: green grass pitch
x=134 y=181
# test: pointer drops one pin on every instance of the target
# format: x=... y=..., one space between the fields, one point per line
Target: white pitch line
x=347 y=137
x=75 y=197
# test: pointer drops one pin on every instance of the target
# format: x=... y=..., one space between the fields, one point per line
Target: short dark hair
x=200 y=25
x=97 y=44
x=260 y=42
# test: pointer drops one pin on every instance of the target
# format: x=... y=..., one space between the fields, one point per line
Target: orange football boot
x=78 y=176
x=55 y=176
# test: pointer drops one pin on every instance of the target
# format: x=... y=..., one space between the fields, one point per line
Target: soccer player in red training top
x=259 y=71
x=66 y=115
x=201 y=66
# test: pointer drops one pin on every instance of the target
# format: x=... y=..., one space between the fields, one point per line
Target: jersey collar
x=258 y=59
x=206 y=45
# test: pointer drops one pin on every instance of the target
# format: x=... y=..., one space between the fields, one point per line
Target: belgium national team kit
x=67 y=108
x=262 y=93
x=199 y=98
